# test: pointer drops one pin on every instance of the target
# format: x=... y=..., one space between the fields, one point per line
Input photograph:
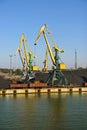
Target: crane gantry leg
x=56 y=77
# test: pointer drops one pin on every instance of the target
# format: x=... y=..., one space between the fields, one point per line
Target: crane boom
x=42 y=31
x=21 y=41
x=19 y=50
x=58 y=49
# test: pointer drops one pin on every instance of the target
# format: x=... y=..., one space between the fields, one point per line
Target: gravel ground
x=4 y=83
x=5 y=80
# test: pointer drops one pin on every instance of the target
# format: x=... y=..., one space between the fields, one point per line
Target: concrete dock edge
x=42 y=90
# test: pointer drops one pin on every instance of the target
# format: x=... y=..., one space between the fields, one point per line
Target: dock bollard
x=80 y=90
x=48 y=91
x=38 y=90
x=26 y=91
x=14 y=92
x=3 y=92
x=70 y=90
x=59 y=90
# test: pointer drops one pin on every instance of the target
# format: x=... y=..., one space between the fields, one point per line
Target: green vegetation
x=16 y=72
x=4 y=70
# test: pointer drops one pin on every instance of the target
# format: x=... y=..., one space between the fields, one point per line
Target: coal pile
x=41 y=76
x=76 y=77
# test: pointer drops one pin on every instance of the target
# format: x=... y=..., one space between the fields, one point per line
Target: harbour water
x=54 y=111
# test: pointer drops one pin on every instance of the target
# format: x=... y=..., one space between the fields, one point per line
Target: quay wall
x=42 y=90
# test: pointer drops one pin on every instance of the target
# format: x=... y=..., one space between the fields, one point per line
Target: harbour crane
x=26 y=59
x=56 y=74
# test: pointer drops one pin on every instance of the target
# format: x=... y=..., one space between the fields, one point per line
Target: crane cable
x=50 y=34
x=35 y=54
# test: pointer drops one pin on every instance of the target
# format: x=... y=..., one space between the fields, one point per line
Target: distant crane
x=26 y=58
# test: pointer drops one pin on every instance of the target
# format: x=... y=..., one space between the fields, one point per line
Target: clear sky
x=67 y=20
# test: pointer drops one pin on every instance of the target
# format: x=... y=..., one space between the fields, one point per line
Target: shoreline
x=42 y=90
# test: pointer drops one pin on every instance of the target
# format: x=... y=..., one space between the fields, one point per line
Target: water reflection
x=43 y=111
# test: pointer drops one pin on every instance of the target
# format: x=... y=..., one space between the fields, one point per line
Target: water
x=44 y=112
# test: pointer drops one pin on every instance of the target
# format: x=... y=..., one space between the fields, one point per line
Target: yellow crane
x=26 y=56
x=56 y=48
x=56 y=73
x=26 y=59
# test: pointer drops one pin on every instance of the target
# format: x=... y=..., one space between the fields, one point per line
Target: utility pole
x=10 y=64
x=75 y=59
x=13 y=63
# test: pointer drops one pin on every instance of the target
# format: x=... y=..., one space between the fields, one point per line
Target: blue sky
x=67 y=20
